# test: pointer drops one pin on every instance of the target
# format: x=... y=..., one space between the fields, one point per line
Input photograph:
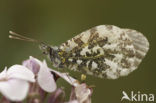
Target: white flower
x=44 y=77
x=81 y=93
x=14 y=82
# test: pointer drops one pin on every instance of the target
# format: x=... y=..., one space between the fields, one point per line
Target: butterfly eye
x=45 y=53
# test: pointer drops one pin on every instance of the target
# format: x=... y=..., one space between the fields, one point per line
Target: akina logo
x=138 y=96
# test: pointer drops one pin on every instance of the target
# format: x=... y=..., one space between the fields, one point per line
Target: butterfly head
x=46 y=49
x=52 y=53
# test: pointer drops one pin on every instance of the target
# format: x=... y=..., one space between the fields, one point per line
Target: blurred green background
x=56 y=21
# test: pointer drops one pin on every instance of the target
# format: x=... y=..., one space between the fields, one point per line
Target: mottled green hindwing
x=105 y=51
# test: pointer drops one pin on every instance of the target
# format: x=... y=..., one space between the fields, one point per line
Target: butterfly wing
x=105 y=51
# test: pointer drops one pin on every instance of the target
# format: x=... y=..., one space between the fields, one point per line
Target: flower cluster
x=35 y=82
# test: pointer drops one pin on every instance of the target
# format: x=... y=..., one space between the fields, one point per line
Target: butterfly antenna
x=20 y=37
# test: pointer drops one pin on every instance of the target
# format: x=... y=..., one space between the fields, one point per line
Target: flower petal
x=3 y=74
x=73 y=101
x=46 y=79
x=14 y=89
x=83 y=93
x=36 y=60
x=57 y=97
x=20 y=72
x=33 y=64
x=66 y=77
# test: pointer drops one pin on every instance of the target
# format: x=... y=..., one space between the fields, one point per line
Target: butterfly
x=104 y=51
